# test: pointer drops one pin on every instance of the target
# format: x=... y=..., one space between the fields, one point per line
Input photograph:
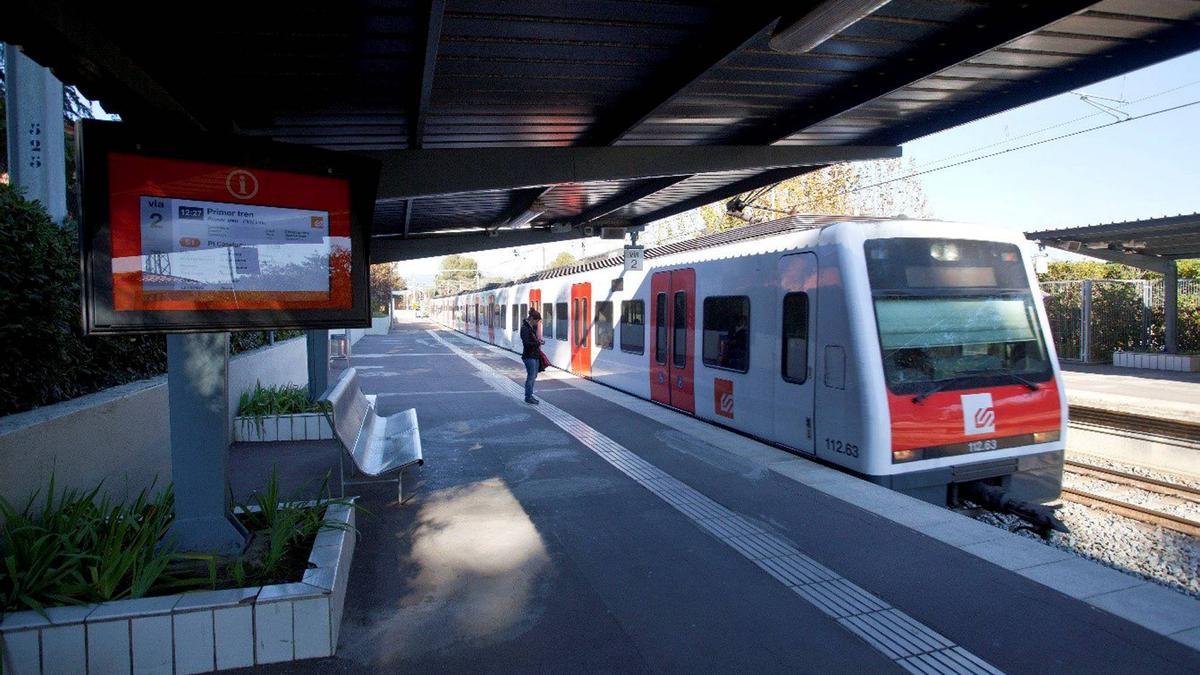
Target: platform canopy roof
x=523 y=121
x=1150 y=244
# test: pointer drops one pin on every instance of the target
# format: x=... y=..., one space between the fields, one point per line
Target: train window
x=548 y=319
x=660 y=328
x=604 y=324
x=727 y=332
x=680 y=353
x=516 y=316
x=795 y=337
x=633 y=326
x=503 y=316
x=560 y=321
x=581 y=337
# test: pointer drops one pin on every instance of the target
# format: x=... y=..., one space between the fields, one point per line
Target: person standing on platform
x=531 y=352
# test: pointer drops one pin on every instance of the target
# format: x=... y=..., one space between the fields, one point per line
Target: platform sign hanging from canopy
x=196 y=233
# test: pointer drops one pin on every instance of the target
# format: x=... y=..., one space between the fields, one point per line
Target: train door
x=535 y=302
x=673 y=318
x=581 y=331
x=795 y=309
x=491 y=319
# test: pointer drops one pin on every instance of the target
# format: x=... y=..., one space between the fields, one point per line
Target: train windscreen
x=954 y=314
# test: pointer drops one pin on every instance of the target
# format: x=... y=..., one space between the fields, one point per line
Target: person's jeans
x=531 y=371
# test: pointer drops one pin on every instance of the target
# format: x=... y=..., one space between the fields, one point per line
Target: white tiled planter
x=1185 y=363
x=303 y=427
x=194 y=632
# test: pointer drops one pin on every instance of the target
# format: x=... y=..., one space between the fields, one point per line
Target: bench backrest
x=350 y=408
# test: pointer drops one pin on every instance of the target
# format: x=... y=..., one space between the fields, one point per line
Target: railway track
x=1134 y=511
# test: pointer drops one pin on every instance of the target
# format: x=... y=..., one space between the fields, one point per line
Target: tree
x=385 y=278
x=1072 y=270
x=562 y=260
x=878 y=188
x=458 y=272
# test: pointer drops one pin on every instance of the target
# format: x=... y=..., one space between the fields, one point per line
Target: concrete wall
x=279 y=364
x=120 y=435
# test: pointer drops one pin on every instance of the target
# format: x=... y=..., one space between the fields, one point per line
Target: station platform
x=1160 y=394
x=599 y=532
x=1134 y=416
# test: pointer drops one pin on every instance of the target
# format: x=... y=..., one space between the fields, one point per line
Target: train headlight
x=944 y=251
x=907 y=455
x=1045 y=436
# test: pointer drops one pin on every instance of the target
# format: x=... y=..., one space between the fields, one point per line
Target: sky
x=1141 y=168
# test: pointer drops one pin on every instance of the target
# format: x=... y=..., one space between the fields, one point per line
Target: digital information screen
x=186 y=244
x=190 y=245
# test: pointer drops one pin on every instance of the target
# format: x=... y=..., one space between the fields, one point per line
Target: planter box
x=303 y=427
x=194 y=632
x=1186 y=363
x=380 y=325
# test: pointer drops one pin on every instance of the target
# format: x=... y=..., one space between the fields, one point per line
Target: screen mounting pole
x=198 y=389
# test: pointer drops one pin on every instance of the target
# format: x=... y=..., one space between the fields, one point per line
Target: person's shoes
x=532 y=401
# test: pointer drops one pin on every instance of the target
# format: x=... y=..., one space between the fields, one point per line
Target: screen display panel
x=177 y=240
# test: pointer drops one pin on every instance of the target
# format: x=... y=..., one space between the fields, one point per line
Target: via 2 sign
x=979 y=416
x=723 y=398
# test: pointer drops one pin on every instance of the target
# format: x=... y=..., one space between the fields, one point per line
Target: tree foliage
x=385 y=278
x=458 y=272
x=877 y=188
x=1071 y=270
x=562 y=260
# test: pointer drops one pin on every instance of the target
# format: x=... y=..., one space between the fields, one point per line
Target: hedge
x=44 y=357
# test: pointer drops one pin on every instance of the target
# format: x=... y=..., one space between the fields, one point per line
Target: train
x=911 y=353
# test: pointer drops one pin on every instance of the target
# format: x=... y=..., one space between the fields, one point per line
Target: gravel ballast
x=1145 y=551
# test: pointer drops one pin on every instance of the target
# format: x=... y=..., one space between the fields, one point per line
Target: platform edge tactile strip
x=889 y=631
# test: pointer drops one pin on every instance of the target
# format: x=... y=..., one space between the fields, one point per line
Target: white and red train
x=911 y=353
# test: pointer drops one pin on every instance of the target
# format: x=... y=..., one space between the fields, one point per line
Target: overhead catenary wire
x=1057 y=125
x=748 y=203
x=1025 y=146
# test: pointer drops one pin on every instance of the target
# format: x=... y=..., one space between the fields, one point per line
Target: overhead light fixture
x=824 y=21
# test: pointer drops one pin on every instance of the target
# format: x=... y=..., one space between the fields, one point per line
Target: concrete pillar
x=198 y=391
x=1171 y=306
x=318 y=362
x=36 y=159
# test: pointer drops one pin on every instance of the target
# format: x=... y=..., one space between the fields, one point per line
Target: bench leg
x=342 y=473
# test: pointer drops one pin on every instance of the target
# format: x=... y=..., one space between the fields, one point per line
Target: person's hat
x=534 y=315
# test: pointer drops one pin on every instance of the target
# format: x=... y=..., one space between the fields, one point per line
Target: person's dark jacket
x=531 y=348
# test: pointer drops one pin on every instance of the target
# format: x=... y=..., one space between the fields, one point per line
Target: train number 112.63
x=834 y=445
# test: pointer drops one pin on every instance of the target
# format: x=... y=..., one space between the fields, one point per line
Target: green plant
x=288 y=524
x=80 y=547
x=288 y=399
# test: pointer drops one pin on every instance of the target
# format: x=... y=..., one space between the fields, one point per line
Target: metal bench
x=383 y=449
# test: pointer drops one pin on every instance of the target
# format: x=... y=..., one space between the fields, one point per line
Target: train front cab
x=961 y=383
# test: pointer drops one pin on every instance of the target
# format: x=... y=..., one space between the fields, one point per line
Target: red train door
x=535 y=302
x=673 y=322
x=581 y=329
x=491 y=319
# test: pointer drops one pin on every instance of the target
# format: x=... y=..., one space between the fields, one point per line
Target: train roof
x=740 y=234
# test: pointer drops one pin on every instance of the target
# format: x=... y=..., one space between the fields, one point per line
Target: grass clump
x=82 y=548
x=288 y=399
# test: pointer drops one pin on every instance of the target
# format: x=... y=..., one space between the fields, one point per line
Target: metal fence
x=1091 y=319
